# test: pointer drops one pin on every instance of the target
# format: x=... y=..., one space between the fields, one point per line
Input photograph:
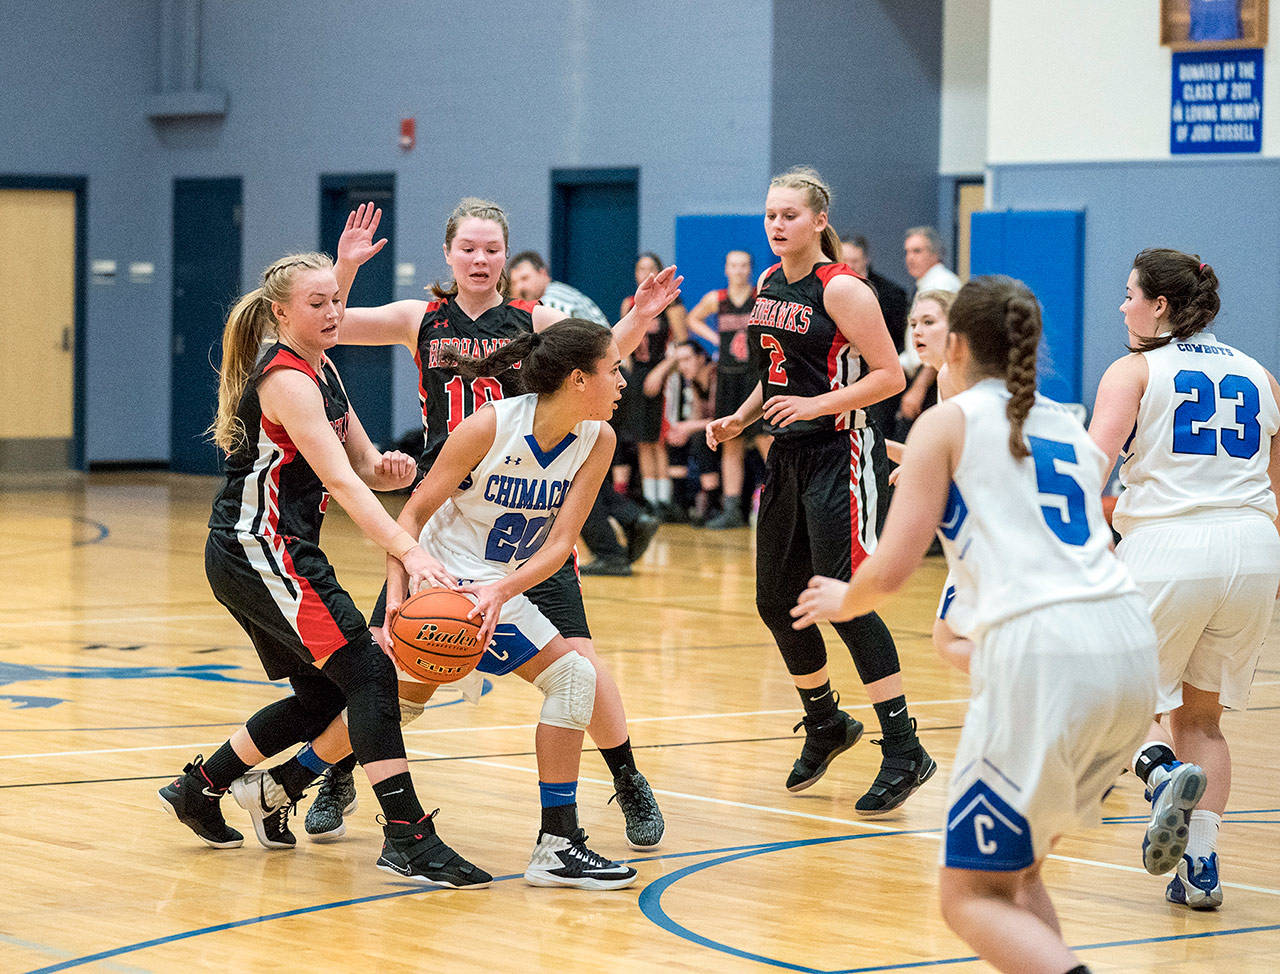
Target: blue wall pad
x=1044 y=248
x=702 y=242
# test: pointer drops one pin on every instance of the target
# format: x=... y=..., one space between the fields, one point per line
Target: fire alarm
x=408 y=127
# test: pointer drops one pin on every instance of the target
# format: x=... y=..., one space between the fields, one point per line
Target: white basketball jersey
x=1023 y=534
x=502 y=513
x=1203 y=436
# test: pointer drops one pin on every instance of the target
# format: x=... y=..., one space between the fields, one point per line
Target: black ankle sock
x=398 y=799
x=561 y=820
x=224 y=767
x=818 y=701
x=895 y=724
x=618 y=758
x=293 y=776
x=347 y=764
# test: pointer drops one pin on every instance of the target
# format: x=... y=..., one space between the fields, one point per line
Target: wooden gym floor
x=116 y=667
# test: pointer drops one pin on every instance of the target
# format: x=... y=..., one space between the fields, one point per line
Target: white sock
x=650 y=490
x=664 y=490
x=1203 y=840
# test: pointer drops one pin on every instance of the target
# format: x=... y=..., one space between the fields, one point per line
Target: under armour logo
x=513 y=460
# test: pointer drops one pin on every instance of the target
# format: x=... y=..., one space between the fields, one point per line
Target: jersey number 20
x=1241 y=443
x=515 y=536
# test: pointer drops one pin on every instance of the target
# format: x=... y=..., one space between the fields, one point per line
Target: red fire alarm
x=408 y=128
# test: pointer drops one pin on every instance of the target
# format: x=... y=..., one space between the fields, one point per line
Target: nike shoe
x=412 y=850
x=268 y=805
x=898 y=778
x=1173 y=797
x=335 y=799
x=645 y=826
x=190 y=800
x=566 y=861
x=1196 y=884
x=824 y=740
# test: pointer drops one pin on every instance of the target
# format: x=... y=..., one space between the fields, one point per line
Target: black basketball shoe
x=412 y=850
x=190 y=800
x=899 y=777
x=559 y=860
x=825 y=739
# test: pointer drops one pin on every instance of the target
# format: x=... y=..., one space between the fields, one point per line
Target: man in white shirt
x=531 y=281
x=922 y=248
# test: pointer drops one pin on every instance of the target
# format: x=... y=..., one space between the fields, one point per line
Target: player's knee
x=569 y=685
x=774 y=608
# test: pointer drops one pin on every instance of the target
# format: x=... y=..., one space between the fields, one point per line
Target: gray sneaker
x=645 y=826
x=336 y=798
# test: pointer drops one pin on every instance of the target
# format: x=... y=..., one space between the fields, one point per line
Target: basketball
x=432 y=638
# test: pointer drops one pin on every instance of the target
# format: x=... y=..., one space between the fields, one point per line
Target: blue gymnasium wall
x=856 y=93
x=1226 y=210
x=502 y=93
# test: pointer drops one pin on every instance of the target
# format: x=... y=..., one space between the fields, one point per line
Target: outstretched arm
x=390 y=324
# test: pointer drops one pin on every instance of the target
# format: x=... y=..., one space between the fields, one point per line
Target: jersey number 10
x=1241 y=443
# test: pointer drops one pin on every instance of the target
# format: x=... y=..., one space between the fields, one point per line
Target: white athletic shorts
x=1210 y=581
x=1061 y=698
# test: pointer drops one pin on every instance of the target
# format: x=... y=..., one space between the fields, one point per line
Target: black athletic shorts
x=824 y=500
x=732 y=389
x=639 y=417
x=284 y=594
x=559 y=598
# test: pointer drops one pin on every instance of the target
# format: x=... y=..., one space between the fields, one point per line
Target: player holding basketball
x=501 y=509
x=292 y=441
x=470 y=315
x=823 y=353
x=1064 y=666
x=734 y=378
x=1195 y=422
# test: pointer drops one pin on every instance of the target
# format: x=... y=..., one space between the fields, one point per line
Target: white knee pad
x=410 y=711
x=569 y=684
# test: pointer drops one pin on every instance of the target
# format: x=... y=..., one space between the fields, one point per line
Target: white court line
x=449 y=730
x=45 y=623
x=859 y=823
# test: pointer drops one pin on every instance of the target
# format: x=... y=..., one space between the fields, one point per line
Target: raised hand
x=656 y=292
x=356 y=245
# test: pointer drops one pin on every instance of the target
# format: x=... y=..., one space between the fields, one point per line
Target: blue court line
x=651 y=905
x=103 y=532
x=338 y=904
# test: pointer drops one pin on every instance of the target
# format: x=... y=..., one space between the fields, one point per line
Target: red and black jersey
x=796 y=348
x=271 y=491
x=446 y=397
x=731 y=323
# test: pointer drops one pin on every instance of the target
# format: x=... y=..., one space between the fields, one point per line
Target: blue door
x=365 y=371
x=206 y=281
x=595 y=233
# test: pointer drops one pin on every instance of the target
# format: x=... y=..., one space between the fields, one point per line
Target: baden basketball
x=432 y=638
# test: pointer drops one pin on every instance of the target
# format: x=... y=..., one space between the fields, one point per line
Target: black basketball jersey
x=797 y=350
x=271 y=491
x=731 y=323
x=446 y=397
x=652 y=347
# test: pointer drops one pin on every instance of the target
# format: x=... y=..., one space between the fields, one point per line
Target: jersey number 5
x=1074 y=528
x=777 y=374
x=1240 y=443
x=483 y=389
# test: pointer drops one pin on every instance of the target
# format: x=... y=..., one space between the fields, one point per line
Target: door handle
x=179 y=344
x=66 y=339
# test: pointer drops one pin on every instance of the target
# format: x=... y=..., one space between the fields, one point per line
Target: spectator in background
x=690 y=379
x=922 y=248
x=856 y=252
x=531 y=281
x=731 y=307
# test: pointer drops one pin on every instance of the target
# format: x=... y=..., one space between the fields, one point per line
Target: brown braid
x=546 y=358
x=1000 y=318
x=1022 y=325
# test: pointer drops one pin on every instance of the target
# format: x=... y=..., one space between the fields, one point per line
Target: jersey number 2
x=483 y=389
x=777 y=374
x=1240 y=443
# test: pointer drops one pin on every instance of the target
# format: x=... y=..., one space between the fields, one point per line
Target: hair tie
x=1201 y=271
